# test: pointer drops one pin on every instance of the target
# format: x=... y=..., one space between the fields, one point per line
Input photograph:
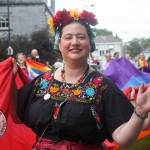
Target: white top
x=105 y=65
x=58 y=64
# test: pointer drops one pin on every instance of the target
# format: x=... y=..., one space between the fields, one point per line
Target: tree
x=136 y=46
x=41 y=40
x=100 y=32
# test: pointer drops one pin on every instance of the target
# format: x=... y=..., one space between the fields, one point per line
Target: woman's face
x=21 y=59
x=142 y=56
x=74 y=43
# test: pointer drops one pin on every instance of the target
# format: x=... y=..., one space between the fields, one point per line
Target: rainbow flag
x=37 y=67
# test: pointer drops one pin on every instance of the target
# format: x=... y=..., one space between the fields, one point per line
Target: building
x=107 y=44
x=146 y=52
x=25 y=16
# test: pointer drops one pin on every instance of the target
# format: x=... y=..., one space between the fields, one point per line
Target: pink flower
x=98 y=80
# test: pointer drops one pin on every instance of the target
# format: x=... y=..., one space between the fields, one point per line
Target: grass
x=141 y=144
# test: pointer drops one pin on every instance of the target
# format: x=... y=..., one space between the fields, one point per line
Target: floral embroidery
x=96 y=116
x=100 y=94
x=90 y=91
x=98 y=80
x=54 y=88
x=46 y=75
x=43 y=84
x=82 y=93
x=77 y=92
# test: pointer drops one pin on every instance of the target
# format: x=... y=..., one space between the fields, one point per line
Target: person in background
x=35 y=53
x=48 y=65
x=142 y=62
x=74 y=106
x=116 y=55
x=127 y=56
x=31 y=57
x=58 y=64
x=107 y=63
x=21 y=60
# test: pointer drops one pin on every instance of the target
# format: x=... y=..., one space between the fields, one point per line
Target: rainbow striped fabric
x=37 y=67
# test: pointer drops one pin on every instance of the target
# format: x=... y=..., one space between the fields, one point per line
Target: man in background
x=35 y=53
x=127 y=56
x=108 y=61
x=116 y=55
x=58 y=64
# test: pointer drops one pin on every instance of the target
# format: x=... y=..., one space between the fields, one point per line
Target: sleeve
x=26 y=95
x=116 y=108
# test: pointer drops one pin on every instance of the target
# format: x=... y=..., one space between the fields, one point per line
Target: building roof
x=107 y=39
x=147 y=50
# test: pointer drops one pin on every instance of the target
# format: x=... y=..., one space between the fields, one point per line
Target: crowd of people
x=139 y=63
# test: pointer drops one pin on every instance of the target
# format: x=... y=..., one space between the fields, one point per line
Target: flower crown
x=64 y=16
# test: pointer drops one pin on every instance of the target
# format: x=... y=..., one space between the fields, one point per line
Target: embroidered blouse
x=89 y=112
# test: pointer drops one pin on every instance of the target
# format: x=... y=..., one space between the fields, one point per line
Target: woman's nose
x=75 y=41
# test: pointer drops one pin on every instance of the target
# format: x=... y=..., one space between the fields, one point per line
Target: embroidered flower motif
x=77 y=92
x=54 y=88
x=74 y=13
x=90 y=83
x=43 y=84
x=52 y=26
x=90 y=91
x=46 y=75
x=98 y=80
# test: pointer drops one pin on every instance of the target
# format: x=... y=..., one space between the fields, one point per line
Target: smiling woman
x=74 y=106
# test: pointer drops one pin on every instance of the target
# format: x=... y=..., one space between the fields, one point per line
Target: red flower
x=61 y=17
x=90 y=83
x=88 y=17
x=98 y=80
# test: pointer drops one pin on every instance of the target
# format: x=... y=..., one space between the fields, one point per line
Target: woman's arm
x=127 y=133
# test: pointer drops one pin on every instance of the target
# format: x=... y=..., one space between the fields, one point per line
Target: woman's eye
x=67 y=38
x=81 y=37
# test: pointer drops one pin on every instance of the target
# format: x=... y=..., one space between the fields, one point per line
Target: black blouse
x=89 y=112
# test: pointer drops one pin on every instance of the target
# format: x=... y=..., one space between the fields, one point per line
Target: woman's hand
x=132 y=93
x=15 y=67
x=143 y=99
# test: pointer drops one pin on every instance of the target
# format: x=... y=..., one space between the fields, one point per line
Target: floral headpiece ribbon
x=63 y=17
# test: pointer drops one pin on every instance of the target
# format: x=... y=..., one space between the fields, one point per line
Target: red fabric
x=67 y=145
x=127 y=91
x=6 y=75
x=25 y=70
x=17 y=136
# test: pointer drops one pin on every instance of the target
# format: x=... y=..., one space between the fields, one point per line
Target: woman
x=75 y=107
x=21 y=60
x=142 y=62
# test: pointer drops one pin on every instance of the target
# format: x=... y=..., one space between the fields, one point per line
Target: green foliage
x=136 y=46
x=100 y=32
x=141 y=144
x=40 y=40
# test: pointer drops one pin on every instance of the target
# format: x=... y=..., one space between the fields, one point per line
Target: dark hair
x=116 y=53
x=32 y=57
x=88 y=29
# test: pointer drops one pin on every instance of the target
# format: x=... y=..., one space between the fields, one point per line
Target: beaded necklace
x=78 y=82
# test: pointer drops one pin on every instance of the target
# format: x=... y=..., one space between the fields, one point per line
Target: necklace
x=78 y=82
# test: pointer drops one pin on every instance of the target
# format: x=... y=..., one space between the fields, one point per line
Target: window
x=3 y=22
x=107 y=51
x=101 y=53
x=111 y=47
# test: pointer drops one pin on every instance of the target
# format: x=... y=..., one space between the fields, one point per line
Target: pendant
x=47 y=96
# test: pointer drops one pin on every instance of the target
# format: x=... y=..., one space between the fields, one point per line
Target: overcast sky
x=127 y=18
